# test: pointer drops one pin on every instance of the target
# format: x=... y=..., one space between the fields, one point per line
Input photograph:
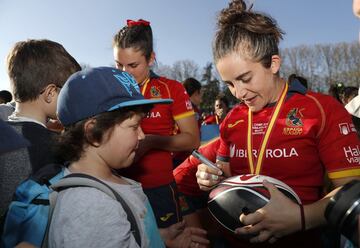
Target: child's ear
x=88 y=132
x=49 y=93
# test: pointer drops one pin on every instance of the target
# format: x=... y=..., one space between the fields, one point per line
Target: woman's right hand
x=180 y=236
x=208 y=177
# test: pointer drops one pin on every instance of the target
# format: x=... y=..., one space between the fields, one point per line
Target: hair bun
x=231 y=14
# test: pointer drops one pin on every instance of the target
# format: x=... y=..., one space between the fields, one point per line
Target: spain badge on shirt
x=155 y=92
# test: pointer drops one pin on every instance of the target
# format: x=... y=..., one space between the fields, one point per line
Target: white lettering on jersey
x=281 y=153
x=352 y=154
x=188 y=105
x=153 y=115
x=269 y=153
x=259 y=128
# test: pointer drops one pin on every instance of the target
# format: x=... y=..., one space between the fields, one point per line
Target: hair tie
x=140 y=22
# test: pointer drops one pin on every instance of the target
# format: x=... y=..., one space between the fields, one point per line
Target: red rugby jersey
x=185 y=173
x=212 y=119
x=155 y=168
x=179 y=157
x=312 y=134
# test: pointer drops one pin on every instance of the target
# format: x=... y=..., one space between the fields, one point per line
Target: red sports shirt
x=185 y=173
x=312 y=134
x=155 y=168
x=179 y=157
x=212 y=119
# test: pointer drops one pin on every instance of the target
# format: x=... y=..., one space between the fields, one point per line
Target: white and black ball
x=242 y=194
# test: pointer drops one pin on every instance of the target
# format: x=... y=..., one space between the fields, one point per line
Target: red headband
x=140 y=22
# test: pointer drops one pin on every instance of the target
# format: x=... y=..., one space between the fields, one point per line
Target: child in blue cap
x=101 y=110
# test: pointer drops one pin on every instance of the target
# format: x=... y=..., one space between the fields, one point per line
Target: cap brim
x=141 y=102
x=12 y=140
x=353 y=107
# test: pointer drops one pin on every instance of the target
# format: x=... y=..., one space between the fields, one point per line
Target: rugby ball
x=242 y=194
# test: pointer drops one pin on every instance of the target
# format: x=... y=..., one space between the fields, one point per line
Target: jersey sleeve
x=223 y=151
x=182 y=106
x=185 y=173
x=210 y=120
x=338 y=143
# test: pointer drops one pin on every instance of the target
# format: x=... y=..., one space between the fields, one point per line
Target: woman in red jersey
x=280 y=130
x=133 y=52
x=221 y=108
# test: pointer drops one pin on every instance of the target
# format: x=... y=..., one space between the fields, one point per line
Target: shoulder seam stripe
x=166 y=86
x=323 y=117
x=344 y=173
x=183 y=115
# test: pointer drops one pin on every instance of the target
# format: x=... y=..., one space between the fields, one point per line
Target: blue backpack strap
x=84 y=180
x=27 y=215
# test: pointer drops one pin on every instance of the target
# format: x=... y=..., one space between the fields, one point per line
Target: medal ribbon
x=144 y=83
x=256 y=170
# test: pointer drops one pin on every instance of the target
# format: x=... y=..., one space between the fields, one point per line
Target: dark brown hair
x=222 y=98
x=139 y=37
x=191 y=85
x=73 y=140
x=5 y=96
x=34 y=64
x=253 y=35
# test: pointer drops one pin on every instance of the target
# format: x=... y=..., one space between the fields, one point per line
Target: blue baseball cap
x=97 y=90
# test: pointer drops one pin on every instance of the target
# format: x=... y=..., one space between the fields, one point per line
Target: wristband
x=302 y=217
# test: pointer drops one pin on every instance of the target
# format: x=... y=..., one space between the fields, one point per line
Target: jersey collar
x=153 y=74
x=296 y=87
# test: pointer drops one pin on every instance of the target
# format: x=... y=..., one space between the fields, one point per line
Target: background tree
x=210 y=88
x=163 y=70
x=232 y=99
x=184 y=69
x=179 y=71
x=322 y=65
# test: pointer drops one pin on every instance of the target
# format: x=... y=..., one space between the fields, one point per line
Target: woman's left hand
x=279 y=217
